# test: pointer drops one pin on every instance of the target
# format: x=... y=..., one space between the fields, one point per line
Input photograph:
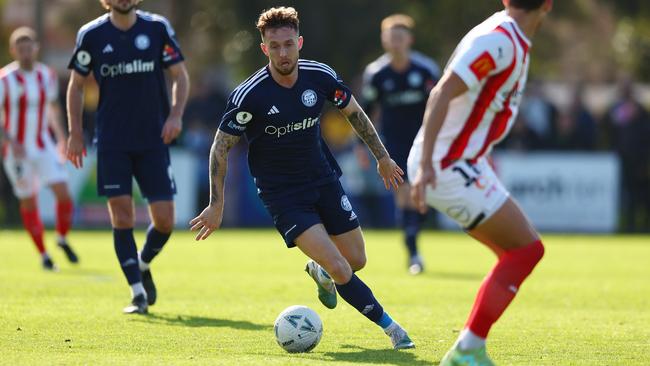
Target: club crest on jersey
x=345 y=203
x=142 y=42
x=415 y=79
x=243 y=117
x=309 y=98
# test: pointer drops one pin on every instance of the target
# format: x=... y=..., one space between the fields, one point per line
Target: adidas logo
x=108 y=49
x=129 y=262
x=353 y=216
x=273 y=110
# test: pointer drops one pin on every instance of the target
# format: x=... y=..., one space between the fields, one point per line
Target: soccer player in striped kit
x=472 y=108
x=28 y=97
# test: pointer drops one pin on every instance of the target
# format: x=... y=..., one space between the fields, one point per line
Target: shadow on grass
x=380 y=356
x=458 y=276
x=200 y=321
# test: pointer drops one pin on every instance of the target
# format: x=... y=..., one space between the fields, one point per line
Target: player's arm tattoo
x=366 y=131
x=222 y=144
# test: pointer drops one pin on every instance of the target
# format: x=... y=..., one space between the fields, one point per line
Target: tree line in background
x=593 y=40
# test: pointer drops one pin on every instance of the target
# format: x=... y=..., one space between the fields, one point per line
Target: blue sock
x=357 y=294
x=411 y=221
x=385 y=321
x=153 y=244
x=127 y=254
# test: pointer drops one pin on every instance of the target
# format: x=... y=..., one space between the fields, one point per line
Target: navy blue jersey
x=401 y=96
x=282 y=125
x=128 y=67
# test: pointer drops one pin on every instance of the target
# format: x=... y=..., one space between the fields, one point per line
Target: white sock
x=138 y=289
x=144 y=266
x=469 y=340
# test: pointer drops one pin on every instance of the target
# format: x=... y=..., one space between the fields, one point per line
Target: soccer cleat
x=149 y=287
x=416 y=265
x=138 y=305
x=399 y=337
x=48 y=265
x=326 y=287
x=470 y=357
x=72 y=256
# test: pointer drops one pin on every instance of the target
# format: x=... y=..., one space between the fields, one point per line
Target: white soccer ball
x=298 y=329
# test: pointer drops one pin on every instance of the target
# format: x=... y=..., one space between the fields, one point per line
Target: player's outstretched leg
x=34 y=226
x=316 y=244
x=513 y=238
x=162 y=215
x=64 y=210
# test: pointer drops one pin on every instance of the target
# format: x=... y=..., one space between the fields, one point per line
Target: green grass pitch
x=588 y=303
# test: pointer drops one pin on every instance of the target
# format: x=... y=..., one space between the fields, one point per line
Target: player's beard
x=125 y=11
x=285 y=72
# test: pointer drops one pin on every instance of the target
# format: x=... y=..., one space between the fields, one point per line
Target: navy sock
x=153 y=244
x=357 y=294
x=411 y=221
x=127 y=254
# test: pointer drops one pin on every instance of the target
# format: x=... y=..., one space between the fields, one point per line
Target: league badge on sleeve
x=243 y=117
x=482 y=66
x=340 y=97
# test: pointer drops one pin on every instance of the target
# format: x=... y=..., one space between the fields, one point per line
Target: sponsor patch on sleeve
x=482 y=66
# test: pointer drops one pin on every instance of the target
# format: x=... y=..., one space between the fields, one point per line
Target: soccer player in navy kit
x=127 y=51
x=279 y=109
x=399 y=83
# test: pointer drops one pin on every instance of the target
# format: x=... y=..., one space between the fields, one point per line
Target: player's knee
x=164 y=224
x=339 y=270
x=358 y=262
x=122 y=218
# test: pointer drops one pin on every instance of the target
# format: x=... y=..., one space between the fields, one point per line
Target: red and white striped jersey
x=492 y=60
x=24 y=104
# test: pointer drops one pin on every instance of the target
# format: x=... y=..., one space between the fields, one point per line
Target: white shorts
x=467 y=193
x=27 y=174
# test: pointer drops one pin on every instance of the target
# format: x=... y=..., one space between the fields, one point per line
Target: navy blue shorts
x=326 y=204
x=150 y=168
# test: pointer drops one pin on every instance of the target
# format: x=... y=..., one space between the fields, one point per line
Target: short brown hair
x=108 y=7
x=278 y=18
x=22 y=33
x=398 y=21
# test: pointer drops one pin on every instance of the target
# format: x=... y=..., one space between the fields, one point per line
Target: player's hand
x=424 y=176
x=390 y=172
x=171 y=129
x=208 y=221
x=76 y=150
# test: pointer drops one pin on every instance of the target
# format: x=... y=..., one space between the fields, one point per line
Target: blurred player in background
x=399 y=82
x=127 y=51
x=279 y=109
x=471 y=109
x=29 y=94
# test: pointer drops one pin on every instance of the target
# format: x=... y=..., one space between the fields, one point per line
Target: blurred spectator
x=576 y=127
x=627 y=128
x=539 y=116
